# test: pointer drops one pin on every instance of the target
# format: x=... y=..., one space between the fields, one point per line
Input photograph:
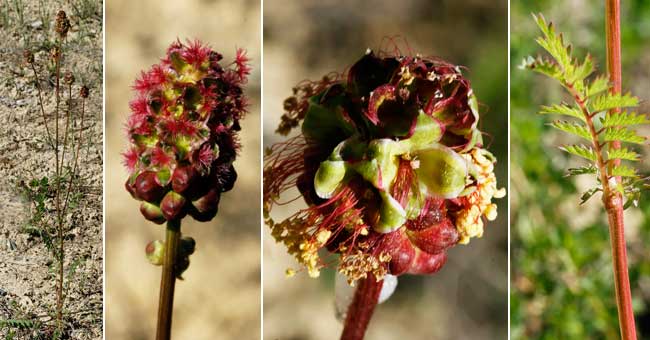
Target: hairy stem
x=361 y=309
x=613 y=200
x=168 y=281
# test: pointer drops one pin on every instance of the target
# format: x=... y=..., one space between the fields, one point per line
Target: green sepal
x=381 y=168
x=427 y=132
x=325 y=125
x=328 y=177
x=442 y=171
x=183 y=146
x=146 y=141
x=177 y=61
x=391 y=214
x=164 y=176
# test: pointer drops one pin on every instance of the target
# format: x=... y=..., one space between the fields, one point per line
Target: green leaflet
x=572 y=128
x=609 y=101
x=623 y=171
x=582 y=71
x=583 y=170
x=622 y=135
x=554 y=45
x=598 y=85
x=624 y=118
x=581 y=151
x=543 y=66
x=622 y=153
x=16 y=323
x=563 y=109
x=588 y=194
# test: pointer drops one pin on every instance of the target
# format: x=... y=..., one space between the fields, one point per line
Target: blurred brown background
x=468 y=298
x=220 y=297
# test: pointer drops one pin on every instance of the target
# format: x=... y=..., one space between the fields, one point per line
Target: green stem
x=168 y=281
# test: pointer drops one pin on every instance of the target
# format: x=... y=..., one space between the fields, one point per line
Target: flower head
x=391 y=163
x=182 y=132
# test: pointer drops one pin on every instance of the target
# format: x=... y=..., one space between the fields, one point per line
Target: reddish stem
x=361 y=309
x=613 y=200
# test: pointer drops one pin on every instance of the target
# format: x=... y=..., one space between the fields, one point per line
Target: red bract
x=183 y=132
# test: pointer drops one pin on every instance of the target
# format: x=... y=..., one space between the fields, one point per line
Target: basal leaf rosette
x=391 y=164
x=183 y=132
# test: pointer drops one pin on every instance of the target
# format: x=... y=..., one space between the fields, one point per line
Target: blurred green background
x=562 y=280
x=467 y=299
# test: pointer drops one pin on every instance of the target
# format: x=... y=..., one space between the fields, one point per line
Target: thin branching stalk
x=40 y=104
x=613 y=200
x=168 y=281
x=67 y=127
x=76 y=155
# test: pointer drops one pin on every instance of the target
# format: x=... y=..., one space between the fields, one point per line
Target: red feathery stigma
x=130 y=159
x=243 y=69
x=159 y=157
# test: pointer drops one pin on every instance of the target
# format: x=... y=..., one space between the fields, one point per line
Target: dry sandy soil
x=26 y=266
x=220 y=296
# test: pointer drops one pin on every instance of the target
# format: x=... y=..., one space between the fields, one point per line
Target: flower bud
x=402 y=253
x=206 y=207
x=62 y=24
x=173 y=206
x=226 y=178
x=435 y=239
x=186 y=247
x=155 y=252
x=68 y=78
x=84 y=92
x=55 y=53
x=147 y=188
x=183 y=178
x=129 y=185
x=152 y=212
x=28 y=56
x=181 y=265
x=425 y=263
